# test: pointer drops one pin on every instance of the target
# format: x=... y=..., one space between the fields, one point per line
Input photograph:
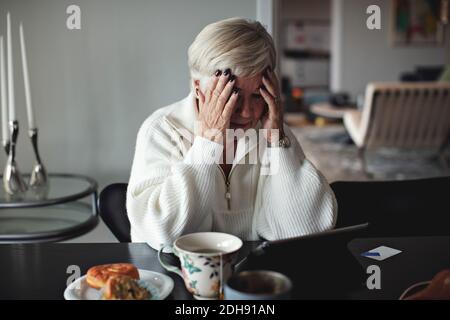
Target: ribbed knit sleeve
x=295 y=199
x=170 y=194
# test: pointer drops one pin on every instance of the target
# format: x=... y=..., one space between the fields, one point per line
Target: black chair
x=112 y=208
x=396 y=208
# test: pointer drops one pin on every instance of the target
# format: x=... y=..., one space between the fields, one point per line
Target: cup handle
x=167 y=266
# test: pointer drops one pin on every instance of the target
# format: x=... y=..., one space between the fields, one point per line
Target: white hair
x=244 y=46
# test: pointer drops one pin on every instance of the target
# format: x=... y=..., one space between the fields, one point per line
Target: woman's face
x=250 y=105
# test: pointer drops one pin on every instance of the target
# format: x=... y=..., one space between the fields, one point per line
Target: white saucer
x=80 y=290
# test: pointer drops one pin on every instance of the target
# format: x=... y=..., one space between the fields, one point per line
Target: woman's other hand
x=273 y=119
x=216 y=105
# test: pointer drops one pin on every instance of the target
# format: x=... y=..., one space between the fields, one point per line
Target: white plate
x=80 y=290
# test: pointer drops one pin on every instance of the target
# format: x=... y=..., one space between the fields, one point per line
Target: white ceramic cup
x=206 y=261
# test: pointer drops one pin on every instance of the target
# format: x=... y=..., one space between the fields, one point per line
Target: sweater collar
x=184 y=116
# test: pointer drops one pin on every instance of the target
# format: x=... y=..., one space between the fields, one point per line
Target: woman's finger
x=269 y=86
x=221 y=84
x=211 y=87
x=270 y=100
x=225 y=94
x=231 y=104
x=272 y=77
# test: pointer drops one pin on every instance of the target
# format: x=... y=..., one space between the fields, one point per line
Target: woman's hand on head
x=216 y=105
x=273 y=119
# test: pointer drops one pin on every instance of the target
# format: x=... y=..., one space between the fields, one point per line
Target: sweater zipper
x=227 y=187
x=227 y=179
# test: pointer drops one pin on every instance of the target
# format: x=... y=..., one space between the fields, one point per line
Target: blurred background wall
x=362 y=55
x=92 y=88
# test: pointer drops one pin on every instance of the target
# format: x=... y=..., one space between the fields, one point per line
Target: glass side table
x=64 y=213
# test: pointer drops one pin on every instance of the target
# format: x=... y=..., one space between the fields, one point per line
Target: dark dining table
x=419 y=260
x=42 y=270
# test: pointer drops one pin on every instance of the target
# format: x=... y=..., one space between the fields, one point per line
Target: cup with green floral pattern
x=206 y=260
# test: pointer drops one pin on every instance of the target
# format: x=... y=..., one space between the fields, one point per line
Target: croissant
x=97 y=276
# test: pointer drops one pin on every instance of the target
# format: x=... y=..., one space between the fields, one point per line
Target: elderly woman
x=176 y=188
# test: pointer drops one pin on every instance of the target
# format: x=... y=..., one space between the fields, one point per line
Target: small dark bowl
x=258 y=285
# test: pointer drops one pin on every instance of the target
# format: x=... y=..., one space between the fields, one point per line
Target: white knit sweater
x=172 y=191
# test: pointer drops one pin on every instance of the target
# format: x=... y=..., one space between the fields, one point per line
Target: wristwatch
x=284 y=142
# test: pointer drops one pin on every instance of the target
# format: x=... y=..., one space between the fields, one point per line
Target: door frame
x=267 y=12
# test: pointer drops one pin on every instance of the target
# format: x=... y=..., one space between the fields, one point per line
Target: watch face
x=285 y=142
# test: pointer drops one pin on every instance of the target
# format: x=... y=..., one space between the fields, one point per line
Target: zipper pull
x=228 y=195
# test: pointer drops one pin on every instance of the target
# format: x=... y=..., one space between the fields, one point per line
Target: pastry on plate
x=124 y=288
x=97 y=276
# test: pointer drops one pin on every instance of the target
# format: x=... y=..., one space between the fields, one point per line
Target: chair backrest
x=406 y=115
x=396 y=208
x=112 y=208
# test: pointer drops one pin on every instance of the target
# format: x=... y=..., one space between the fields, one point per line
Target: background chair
x=396 y=208
x=112 y=208
x=402 y=115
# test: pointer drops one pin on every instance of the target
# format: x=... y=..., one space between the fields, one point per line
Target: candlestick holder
x=39 y=178
x=12 y=178
x=6 y=146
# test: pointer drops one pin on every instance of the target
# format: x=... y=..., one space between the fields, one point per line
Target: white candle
x=26 y=80
x=5 y=128
x=11 y=104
